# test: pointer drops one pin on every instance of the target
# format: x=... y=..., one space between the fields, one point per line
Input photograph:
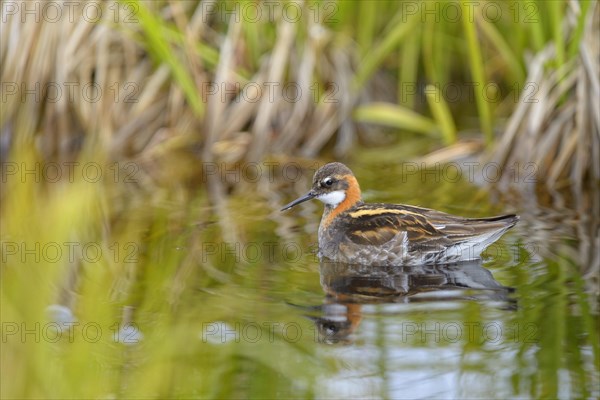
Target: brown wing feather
x=459 y=229
x=376 y=224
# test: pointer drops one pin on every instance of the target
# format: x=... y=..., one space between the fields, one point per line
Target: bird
x=354 y=232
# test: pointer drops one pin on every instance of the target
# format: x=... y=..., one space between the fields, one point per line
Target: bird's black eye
x=330 y=329
x=327 y=181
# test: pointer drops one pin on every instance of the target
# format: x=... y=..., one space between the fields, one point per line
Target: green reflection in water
x=231 y=302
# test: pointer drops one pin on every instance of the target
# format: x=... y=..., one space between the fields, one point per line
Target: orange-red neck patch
x=352 y=197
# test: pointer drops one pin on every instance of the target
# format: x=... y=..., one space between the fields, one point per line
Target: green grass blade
x=159 y=48
x=428 y=37
x=531 y=16
x=478 y=74
x=366 y=27
x=441 y=113
x=409 y=64
x=394 y=116
x=392 y=38
x=508 y=55
x=573 y=47
x=556 y=10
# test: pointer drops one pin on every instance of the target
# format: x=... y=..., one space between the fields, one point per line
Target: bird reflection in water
x=349 y=286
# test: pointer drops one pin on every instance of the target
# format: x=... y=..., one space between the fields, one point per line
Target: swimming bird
x=355 y=232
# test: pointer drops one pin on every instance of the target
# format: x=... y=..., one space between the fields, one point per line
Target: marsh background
x=147 y=147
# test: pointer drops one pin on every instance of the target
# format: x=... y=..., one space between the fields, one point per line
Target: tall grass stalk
x=531 y=15
x=395 y=116
x=575 y=40
x=366 y=26
x=441 y=112
x=340 y=60
x=555 y=9
x=396 y=31
x=478 y=74
x=409 y=67
x=153 y=28
x=509 y=56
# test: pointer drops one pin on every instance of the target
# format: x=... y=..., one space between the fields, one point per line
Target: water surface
x=227 y=299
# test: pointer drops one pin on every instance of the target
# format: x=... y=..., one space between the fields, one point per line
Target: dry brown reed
x=556 y=125
x=178 y=76
x=125 y=105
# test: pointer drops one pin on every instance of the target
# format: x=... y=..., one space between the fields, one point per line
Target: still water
x=227 y=299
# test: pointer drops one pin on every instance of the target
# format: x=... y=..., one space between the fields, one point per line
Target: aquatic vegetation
x=147 y=147
x=236 y=82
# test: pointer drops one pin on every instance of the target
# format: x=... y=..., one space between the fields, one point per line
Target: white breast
x=333 y=198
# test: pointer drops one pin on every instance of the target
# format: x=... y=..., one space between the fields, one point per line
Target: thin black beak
x=306 y=197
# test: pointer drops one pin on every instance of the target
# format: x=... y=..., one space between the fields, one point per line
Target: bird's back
x=395 y=234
